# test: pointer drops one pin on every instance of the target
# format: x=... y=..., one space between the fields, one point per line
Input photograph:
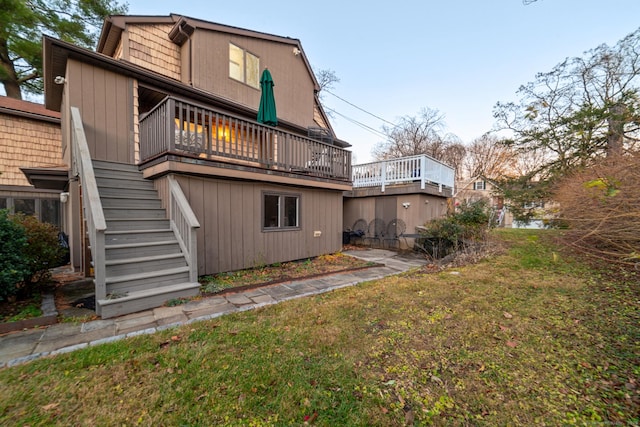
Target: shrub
x=42 y=252
x=601 y=208
x=13 y=267
x=461 y=229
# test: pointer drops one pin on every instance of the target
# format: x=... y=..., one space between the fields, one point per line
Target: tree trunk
x=8 y=76
x=615 y=134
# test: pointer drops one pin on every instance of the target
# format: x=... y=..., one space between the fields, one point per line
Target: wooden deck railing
x=177 y=126
x=185 y=225
x=423 y=169
x=92 y=206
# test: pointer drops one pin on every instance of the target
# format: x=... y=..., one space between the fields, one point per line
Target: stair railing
x=92 y=206
x=185 y=225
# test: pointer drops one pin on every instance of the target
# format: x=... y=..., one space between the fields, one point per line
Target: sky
x=393 y=59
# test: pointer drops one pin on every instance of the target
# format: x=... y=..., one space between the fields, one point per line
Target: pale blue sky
x=394 y=58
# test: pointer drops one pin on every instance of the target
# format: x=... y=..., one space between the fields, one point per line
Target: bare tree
x=454 y=153
x=326 y=79
x=490 y=157
x=414 y=135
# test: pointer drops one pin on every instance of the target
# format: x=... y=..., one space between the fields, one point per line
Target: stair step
x=145 y=193
x=142 y=259
x=143 y=264
x=116 y=213
x=134 y=301
x=122 y=224
x=154 y=279
x=125 y=184
x=129 y=175
x=133 y=250
x=130 y=202
x=103 y=164
x=130 y=236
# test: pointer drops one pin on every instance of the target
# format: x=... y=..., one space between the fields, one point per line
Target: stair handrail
x=185 y=224
x=92 y=206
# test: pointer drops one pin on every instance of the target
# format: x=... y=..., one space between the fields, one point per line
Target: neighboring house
x=159 y=132
x=30 y=155
x=481 y=188
x=395 y=197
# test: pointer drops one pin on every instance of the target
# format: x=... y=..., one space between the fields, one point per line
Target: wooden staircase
x=145 y=265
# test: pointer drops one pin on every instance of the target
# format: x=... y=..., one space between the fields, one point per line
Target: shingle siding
x=26 y=142
x=150 y=47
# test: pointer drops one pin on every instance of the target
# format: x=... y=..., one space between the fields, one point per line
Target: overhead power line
x=362 y=125
x=359 y=108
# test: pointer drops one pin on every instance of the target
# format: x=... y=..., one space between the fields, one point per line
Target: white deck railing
x=422 y=168
x=92 y=206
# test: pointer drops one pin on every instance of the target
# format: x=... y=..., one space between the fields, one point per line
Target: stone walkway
x=24 y=346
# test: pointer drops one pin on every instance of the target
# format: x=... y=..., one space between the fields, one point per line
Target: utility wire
x=362 y=125
x=359 y=108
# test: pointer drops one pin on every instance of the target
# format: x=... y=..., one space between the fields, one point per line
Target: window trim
x=245 y=69
x=484 y=185
x=281 y=214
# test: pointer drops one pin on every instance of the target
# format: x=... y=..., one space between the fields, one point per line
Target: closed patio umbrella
x=267 y=109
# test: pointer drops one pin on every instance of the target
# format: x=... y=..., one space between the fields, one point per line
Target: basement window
x=280 y=211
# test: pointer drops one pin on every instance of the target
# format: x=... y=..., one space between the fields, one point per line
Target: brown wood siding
x=423 y=208
x=149 y=46
x=26 y=142
x=105 y=102
x=230 y=214
x=293 y=88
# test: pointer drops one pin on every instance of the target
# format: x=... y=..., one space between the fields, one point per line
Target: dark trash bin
x=346 y=237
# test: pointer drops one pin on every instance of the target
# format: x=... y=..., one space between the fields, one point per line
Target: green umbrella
x=267 y=110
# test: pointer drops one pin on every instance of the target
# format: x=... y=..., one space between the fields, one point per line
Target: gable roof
x=114 y=26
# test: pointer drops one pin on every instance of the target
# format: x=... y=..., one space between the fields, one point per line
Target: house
x=172 y=176
x=392 y=199
x=481 y=188
x=31 y=174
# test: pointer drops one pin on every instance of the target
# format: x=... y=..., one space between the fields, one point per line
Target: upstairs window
x=480 y=185
x=280 y=211
x=244 y=66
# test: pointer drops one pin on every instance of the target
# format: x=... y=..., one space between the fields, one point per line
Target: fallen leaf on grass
x=511 y=344
x=503 y=328
x=507 y=315
x=50 y=406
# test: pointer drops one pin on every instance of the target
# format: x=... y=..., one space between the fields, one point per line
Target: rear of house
x=172 y=175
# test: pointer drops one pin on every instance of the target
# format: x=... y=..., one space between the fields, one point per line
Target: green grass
x=529 y=337
x=27 y=312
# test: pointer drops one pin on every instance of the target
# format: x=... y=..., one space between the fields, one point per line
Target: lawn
x=527 y=337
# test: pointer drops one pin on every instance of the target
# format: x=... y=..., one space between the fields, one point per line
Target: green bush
x=466 y=226
x=42 y=252
x=13 y=266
